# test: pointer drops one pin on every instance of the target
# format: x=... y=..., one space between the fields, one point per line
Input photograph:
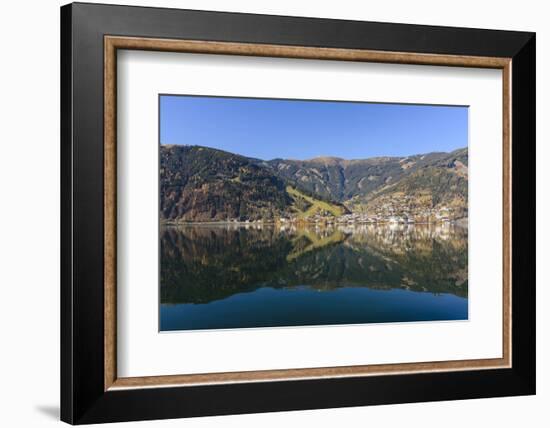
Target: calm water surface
x=232 y=276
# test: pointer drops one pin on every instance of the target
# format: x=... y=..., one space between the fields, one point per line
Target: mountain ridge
x=199 y=183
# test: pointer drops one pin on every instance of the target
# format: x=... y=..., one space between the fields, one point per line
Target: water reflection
x=205 y=264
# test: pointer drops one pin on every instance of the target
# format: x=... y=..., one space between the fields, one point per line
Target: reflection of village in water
x=205 y=263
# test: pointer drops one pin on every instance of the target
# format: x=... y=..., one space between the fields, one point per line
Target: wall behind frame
x=29 y=219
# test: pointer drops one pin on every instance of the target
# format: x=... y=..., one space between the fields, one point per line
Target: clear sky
x=294 y=129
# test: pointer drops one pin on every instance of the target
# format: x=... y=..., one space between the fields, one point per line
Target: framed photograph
x=266 y=213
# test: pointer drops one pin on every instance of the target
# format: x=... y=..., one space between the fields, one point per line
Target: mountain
x=203 y=184
x=342 y=179
x=439 y=182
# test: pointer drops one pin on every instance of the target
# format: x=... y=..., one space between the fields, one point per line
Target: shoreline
x=463 y=222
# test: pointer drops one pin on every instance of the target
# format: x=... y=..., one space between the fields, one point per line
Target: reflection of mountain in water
x=200 y=264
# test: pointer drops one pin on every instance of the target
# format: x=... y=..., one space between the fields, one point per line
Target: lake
x=242 y=276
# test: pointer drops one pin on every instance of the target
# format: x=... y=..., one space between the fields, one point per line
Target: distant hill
x=341 y=179
x=203 y=184
x=440 y=181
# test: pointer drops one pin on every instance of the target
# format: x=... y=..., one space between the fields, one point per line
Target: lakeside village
x=386 y=214
x=427 y=216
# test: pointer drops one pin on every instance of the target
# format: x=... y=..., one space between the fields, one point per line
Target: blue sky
x=294 y=129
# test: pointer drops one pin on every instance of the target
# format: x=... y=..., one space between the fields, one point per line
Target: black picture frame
x=83 y=398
